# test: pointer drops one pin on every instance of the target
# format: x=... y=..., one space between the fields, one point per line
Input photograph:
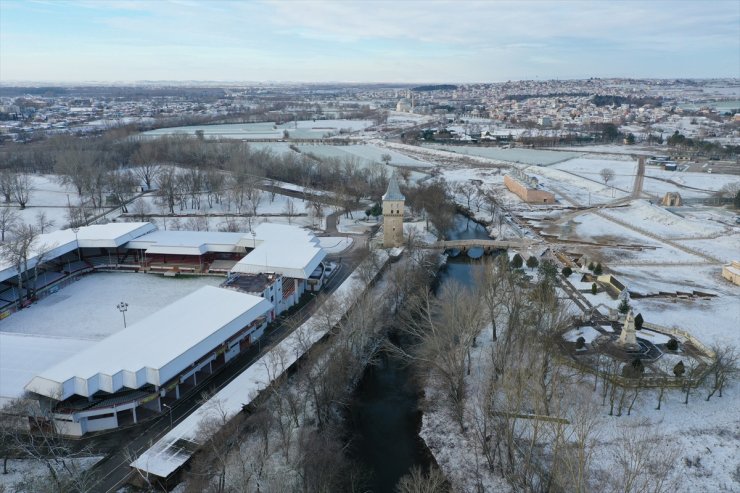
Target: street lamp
x=170 y=411
x=122 y=307
x=75 y=230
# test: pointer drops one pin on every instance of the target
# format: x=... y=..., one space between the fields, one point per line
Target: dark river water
x=384 y=413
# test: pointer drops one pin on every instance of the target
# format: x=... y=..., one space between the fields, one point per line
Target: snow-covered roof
x=393 y=192
x=57 y=243
x=287 y=250
x=189 y=242
x=155 y=349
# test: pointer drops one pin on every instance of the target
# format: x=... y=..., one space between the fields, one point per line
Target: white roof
x=57 y=243
x=188 y=242
x=155 y=349
x=283 y=249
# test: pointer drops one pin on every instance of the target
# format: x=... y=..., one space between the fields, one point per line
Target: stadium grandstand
x=130 y=375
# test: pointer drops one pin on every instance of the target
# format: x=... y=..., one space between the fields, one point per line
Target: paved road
x=122 y=446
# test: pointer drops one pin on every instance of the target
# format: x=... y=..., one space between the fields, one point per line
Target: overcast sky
x=395 y=40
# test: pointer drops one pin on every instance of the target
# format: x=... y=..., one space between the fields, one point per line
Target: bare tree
x=607 y=175
x=22 y=188
x=121 y=184
x=417 y=481
x=6 y=184
x=446 y=328
x=8 y=219
x=43 y=222
x=289 y=210
x=643 y=462
x=17 y=252
x=724 y=367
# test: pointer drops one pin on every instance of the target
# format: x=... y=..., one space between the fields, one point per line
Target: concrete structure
x=527 y=192
x=628 y=337
x=731 y=272
x=393 y=203
x=671 y=199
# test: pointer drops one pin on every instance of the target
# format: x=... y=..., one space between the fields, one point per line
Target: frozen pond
x=304 y=129
x=524 y=156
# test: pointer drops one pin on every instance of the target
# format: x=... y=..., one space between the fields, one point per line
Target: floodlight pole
x=75 y=230
x=122 y=307
x=170 y=411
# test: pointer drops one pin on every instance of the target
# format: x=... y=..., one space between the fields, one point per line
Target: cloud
x=343 y=40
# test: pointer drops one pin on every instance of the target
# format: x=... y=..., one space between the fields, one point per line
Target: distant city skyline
x=379 y=41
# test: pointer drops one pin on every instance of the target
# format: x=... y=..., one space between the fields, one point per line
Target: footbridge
x=487 y=245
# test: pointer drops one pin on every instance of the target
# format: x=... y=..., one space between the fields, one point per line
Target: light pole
x=122 y=307
x=170 y=411
x=254 y=239
x=75 y=230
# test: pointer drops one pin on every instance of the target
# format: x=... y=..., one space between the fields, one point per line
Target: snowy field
x=23 y=470
x=50 y=197
x=590 y=168
x=664 y=223
x=335 y=244
x=524 y=156
x=305 y=129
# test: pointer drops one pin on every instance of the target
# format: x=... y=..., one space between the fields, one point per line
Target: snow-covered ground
x=335 y=244
x=76 y=316
x=87 y=308
x=515 y=155
x=304 y=129
x=49 y=196
x=22 y=470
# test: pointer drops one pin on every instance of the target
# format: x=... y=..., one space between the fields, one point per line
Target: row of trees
x=294 y=439
x=492 y=359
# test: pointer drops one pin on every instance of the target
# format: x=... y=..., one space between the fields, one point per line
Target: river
x=384 y=413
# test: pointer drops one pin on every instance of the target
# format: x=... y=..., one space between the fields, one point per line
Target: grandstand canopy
x=49 y=246
x=287 y=250
x=155 y=349
x=188 y=242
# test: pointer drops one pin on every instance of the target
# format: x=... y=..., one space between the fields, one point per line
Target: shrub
x=567 y=271
x=634 y=370
x=517 y=261
x=594 y=288
x=624 y=307
x=548 y=269
x=598 y=270
x=591 y=266
x=580 y=343
x=532 y=262
x=672 y=345
x=679 y=369
x=639 y=321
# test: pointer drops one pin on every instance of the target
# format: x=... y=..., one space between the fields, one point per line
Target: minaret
x=393 y=202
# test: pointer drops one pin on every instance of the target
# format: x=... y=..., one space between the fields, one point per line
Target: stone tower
x=393 y=201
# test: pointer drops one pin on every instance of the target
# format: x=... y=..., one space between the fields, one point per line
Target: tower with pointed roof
x=393 y=202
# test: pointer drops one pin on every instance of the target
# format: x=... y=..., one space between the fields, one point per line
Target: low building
x=731 y=272
x=527 y=192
